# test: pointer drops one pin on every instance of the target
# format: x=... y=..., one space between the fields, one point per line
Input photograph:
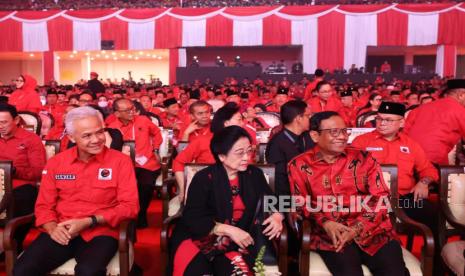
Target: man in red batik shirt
x=345 y=239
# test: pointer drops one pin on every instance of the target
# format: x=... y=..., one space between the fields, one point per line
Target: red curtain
x=451 y=28
x=60 y=34
x=392 y=28
x=219 y=31
x=168 y=32
x=116 y=30
x=174 y=61
x=331 y=28
x=48 y=66
x=12 y=36
x=450 y=59
x=276 y=31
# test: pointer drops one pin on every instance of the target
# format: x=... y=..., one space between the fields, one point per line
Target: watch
x=94 y=221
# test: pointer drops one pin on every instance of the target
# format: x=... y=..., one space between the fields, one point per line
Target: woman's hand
x=275 y=225
x=237 y=235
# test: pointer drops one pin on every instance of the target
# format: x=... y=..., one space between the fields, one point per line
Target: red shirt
x=349 y=114
x=404 y=152
x=204 y=131
x=27 y=152
x=197 y=151
x=333 y=104
x=147 y=137
x=437 y=127
x=72 y=188
x=311 y=177
x=171 y=122
x=57 y=111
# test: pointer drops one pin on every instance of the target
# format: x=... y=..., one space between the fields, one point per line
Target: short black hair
x=88 y=93
x=222 y=115
x=224 y=140
x=315 y=121
x=292 y=109
x=5 y=107
x=319 y=73
x=116 y=103
x=320 y=84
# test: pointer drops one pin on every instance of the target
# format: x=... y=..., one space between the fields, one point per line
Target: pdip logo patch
x=104 y=174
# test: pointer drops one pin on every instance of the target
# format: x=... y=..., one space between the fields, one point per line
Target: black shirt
x=282 y=148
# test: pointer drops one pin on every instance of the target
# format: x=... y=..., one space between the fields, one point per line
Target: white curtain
x=440 y=60
x=182 y=57
x=194 y=32
x=86 y=36
x=305 y=33
x=141 y=36
x=35 y=37
x=360 y=31
x=422 y=29
x=247 y=33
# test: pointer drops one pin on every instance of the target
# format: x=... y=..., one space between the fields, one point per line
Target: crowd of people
x=121 y=4
x=88 y=188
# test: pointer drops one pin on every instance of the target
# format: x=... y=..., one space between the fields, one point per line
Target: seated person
x=345 y=238
x=85 y=193
x=212 y=236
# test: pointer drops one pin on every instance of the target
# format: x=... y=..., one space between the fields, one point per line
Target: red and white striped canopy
x=331 y=36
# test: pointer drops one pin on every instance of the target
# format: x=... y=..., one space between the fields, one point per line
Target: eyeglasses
x=19 y=80
x=387 y=121
x=241 y=153
x=335 y=132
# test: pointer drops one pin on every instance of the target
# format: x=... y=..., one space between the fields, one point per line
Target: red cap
x=93 y=74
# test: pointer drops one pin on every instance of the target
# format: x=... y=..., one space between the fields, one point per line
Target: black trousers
x=388 y=261
x=44 y=255
x=24 y=200
x=145 y=185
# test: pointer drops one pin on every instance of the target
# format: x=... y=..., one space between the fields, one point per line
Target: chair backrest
x=357 y=131
x=363 y=118
x=6 y=187
x=166 y=146
x=272 y=119
x=452 y=192
x=31 y=121
x=52 y=147
x=129 y=148
x=261 y=151
x=191 y=169
x=263 y=135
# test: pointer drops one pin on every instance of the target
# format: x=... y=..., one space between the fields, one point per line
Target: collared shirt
x=197 y=151
x=354 y=175
x=282 y=147
x=437 y=126
x=57 y=111
x=27 y=152
x=148 y=138
x=170 y=122
x=332 y=104
x=204 y=131
x=71 y=189
x=404 y=152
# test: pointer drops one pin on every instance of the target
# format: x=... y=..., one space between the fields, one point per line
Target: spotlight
x=74 y=52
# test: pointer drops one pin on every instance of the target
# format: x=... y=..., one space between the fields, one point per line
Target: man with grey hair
x=86 y=191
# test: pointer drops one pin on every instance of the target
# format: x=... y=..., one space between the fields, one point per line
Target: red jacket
x=147 y=137
x=437 y=126
x=26 y=98
x=197 y=151
x=333 y=104
x=27 y=152
x=404 y=152
x=105 y=185
x=353 y=174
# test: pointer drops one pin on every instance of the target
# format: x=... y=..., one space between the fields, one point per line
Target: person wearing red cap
x=94 y=84
x=25 y=98
x=438 y=126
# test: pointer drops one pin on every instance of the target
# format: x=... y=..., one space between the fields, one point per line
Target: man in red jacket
x=439 y=126
x=86 y=191
x=26 y=151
